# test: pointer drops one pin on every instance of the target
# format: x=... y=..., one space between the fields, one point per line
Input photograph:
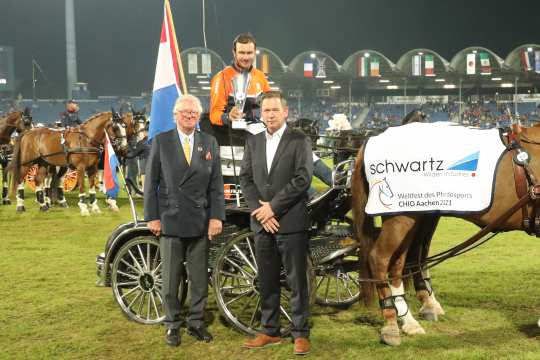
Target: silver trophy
x=240 y=85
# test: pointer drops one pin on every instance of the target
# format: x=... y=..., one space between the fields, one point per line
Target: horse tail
x=364 y=227
x=15 y=166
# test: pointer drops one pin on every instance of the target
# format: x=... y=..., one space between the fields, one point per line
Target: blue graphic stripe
x=161 y=115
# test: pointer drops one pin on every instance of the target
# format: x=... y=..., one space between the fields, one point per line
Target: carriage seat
x=341 y=180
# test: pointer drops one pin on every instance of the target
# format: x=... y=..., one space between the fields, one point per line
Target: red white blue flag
x=110 y=179
x=166 y=86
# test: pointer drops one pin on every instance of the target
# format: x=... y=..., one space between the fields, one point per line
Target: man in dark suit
x=183 y=202
x=275 y=176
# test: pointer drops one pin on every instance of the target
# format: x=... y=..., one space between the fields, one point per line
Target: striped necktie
x=187 y=150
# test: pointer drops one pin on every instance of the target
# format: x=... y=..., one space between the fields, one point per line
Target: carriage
x=130 y=264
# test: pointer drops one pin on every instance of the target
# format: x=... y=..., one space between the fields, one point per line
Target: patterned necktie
x=187 y=150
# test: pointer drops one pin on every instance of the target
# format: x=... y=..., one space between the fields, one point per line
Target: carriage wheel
x=136 y=280
x=31 y=176
x=337 y=282
x=235 y=281
x=70 y=180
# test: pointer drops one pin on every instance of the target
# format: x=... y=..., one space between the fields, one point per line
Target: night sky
x=117 y=39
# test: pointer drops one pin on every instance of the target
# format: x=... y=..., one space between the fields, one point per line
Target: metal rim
x=136 y=280
x=235 y=282
x=337 y=283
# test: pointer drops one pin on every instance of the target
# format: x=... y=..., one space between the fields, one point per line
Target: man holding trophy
x=235 y=89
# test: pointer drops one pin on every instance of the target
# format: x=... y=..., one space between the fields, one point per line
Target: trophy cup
x=240 y=85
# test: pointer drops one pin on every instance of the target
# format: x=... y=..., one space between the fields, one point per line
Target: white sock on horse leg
x=409 y=324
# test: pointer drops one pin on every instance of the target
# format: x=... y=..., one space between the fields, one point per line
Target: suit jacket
x=183 y=197
x=285 y=187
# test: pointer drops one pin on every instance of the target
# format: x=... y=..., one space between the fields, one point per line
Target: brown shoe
x=301 y=346
x=261 y=340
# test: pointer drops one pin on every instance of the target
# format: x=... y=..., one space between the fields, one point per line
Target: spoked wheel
x=236 y=285
x=137 y=281
x=337 y=281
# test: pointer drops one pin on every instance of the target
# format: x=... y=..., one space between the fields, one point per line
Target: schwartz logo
x=468 y=163
x=384 y=191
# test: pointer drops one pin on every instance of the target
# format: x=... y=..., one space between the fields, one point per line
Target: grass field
x=51 y=309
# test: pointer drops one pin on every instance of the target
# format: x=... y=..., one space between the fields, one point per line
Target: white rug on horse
x=438 y=167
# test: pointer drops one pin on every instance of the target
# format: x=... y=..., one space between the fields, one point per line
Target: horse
x=385 y=251
x=16 y=121
x=78 y=148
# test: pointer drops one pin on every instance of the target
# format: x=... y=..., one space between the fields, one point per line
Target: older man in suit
x=275 y=176
x=183 y=202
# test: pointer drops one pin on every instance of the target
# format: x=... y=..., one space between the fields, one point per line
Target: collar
x=183 y=136
x=278 y=134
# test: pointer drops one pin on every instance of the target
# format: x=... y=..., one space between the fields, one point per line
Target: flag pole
x=178 y=59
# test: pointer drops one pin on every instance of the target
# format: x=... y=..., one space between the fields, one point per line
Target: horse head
x=417 y=115
x=139 y=123
x=26 y=119
x=117 y=133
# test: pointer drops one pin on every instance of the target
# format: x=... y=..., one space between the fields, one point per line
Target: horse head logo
x=384 y=191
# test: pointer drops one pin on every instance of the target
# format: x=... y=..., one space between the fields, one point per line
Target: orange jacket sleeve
x=218 y=99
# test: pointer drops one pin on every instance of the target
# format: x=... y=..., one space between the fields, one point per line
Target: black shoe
x=200 y=333
x=172 y=337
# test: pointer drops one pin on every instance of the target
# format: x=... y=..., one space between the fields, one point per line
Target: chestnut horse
x=385 y=250
x=78 y=148
x=14 y=121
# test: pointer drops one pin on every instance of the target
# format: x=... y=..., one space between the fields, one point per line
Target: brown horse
x=78 y=148
x=385 y=250
x=14 y=121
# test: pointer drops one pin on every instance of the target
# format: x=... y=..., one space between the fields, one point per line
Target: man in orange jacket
x=222 y=106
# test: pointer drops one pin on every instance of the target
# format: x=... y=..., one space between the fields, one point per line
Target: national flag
x=308 y=69
x=206 y=63
x=166 y=86
x=192 y=64
x=537 y=61
x=526 y=58
x=374 y=67
x=110 y=179
x=265 y=63
x=417 y=65
x=485 y=67
x=362 y=66
x=471 y=64
x=429 y=65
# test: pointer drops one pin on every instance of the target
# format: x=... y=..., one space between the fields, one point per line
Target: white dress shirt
x=185 y=137
x=272 y=143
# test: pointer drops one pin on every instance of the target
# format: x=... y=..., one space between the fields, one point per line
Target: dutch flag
x=110 y=179
x=166 y=86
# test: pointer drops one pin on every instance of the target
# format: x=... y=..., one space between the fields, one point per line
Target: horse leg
x=82 y=195
x=5 y=185
x=40 y=196
x=20 y=188
x=431 y=308
x=61 y=173
x=92 y=191
x=390 y=240
x=47 y=187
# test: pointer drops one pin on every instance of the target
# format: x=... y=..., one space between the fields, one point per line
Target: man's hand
x=271 y=226
x=214 y=228
x=264 y=213
x=155 y=227
x=235 y=114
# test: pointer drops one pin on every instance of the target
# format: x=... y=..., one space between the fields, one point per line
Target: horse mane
x=411 y=117
x=93 y=117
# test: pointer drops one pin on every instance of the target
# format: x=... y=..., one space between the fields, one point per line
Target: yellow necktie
x=187 y=150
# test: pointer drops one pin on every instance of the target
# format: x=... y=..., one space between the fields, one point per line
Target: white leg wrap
x=112 y=204
x=409 y=324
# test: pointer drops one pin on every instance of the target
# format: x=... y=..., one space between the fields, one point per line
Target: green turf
x=50 y=308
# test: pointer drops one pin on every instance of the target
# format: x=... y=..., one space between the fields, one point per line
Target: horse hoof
x=96 y=211
x=63 y=204
x=413 y=329
x=20 y=209
x=429 y=315
x=6 y=202
x=44 y=208
x=390 y=335
x=85 y=213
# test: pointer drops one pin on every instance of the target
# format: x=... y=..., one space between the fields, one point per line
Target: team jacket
x=222 y=99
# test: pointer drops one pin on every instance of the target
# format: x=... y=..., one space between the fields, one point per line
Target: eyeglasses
x=188 y=113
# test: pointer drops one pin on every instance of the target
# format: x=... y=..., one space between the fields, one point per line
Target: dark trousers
x=174 y=251
x=291 y=250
